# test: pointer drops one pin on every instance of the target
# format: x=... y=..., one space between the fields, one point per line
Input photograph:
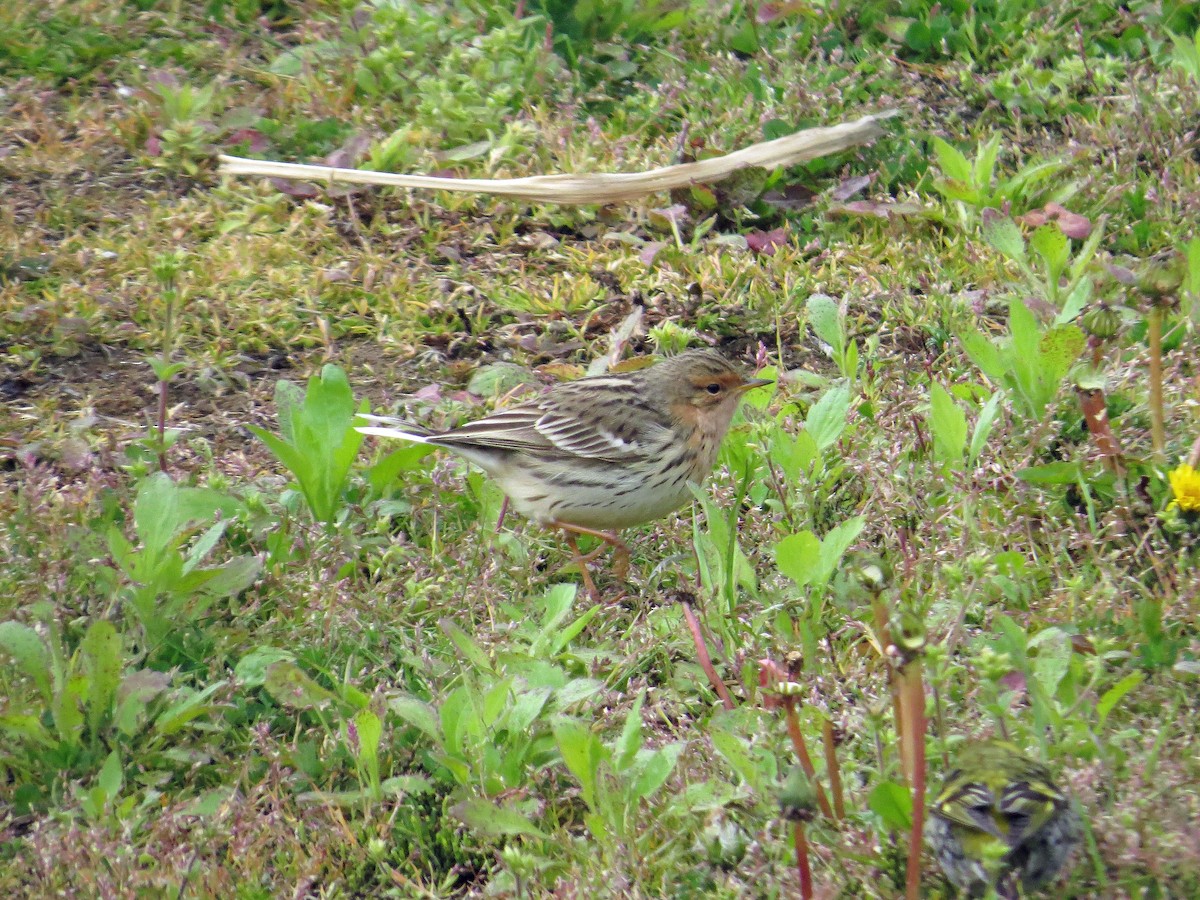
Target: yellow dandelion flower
x=1185 y=486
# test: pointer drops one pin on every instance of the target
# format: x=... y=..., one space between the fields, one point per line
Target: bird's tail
x=395 y=428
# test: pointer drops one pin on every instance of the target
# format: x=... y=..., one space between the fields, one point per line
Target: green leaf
x=1115 y=694
x=733 y=748
x=582 y=752
x=798 y=556
x=1059 y=348
x=985 y=163
x=471 y=651
x=406 y=458
x=952 y=162
x=318 y=442
x=1066 y=472
x=826 y=419
x=1002 y=234
x=983 y=427
x=494 y=820
x=1053 y=659
x=985 y=355
x=893 y=804
x=418 y=714
x=190 y=706
x=251 y=669
x=67 y=709
x=101 y=652
x=1054 y=247
x=370 y=733
x=232 y=578
x=835 y=544
x=630 y=741
x=111 y=777
x=291 y=687
x=826 y=321
x=653 y=768
x=28 y=651
x=948 y=423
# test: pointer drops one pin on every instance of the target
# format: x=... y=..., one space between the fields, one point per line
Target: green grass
x=254 y=680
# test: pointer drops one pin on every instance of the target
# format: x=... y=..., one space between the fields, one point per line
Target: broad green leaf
x=1115 y=694
x=204 y=545
x=1003 y=234
x=189 y=707
x=835 y=544
x=370 y=733
x=318 y=442
x=893 y=804
x=111 y=777
x=101 y=652
x=1054 y=247
x=582 y=752
x=471 y=651
x=951 y=161
x=232 y=578
x=1066 y=472
x=733 y=748
x=985 y=162
x=526 y=707
x=494 y=820
x=1060 y=347
x=798 y=556
x=948 y=423
x=288 y=684
x=418 y=714
x=66 y=709
x=406 y=458
x=825 y=320
x=251 y=669
x=826 y=419
x=28 y=651
x=985 y=355
x=653 y=768
x=1053 y=658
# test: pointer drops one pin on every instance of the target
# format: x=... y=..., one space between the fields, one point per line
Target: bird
x=999 y=822
x=602 y=453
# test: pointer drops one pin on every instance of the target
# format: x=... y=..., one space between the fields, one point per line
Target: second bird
x=605 y=452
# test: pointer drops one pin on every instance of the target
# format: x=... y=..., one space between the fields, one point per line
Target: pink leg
x=620 y=553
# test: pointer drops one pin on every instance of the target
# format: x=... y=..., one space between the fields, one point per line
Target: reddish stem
x=703 y=658
x=834 y=771
x=802 y=867
x=793 y=727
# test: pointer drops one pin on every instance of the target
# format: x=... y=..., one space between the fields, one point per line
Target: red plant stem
x=1095 y=413
x=802 y=867
x=833 y=770
x=703 y=658
x=793 y=727
x=913 y=745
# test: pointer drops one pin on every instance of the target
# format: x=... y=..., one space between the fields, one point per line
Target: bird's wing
x=1028 y=805
x=596 y=421
x=967 y=803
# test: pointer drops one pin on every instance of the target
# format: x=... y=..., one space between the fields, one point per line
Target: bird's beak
x=751 y=383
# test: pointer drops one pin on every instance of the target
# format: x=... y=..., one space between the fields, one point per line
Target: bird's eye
x=714 y=388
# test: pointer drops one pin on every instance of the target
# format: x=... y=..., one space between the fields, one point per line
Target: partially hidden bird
x=1000 y=823
x=604 y=452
